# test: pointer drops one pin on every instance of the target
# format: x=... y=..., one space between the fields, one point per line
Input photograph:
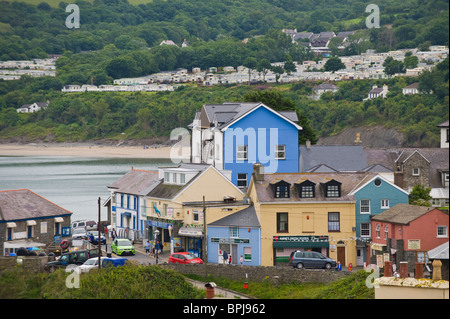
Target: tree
x=334 y=64
x=264 y=66
x=420 y=195
x=250 y=63
x=392 y=66
x=411 y=62
x=289 y=65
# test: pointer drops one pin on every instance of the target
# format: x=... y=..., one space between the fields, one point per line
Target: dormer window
x=281 y=189
x=332 y=188
x=306 y=189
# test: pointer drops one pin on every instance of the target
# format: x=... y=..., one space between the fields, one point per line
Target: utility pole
x=205 y=240
x=98 y=239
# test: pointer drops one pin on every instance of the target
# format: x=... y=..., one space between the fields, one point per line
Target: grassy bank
x=351 y=287
x=129 y=282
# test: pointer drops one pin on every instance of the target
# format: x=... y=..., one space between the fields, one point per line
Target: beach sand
x=83 y=150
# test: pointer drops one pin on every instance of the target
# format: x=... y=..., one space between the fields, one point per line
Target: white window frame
x=241 y=180
x=385 y=203
x=366 y=206
x=280 y=149
x=414 y=171
x=368 y=229
x=378 y=230
x=445 y=228
x=241 y=153
x=234 y=232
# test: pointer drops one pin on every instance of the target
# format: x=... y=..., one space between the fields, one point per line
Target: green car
x=122 y=246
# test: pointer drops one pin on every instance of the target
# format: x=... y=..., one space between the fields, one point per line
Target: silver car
x=310 y=259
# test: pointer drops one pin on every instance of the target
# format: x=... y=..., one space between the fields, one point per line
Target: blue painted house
x=238 y=234
x=372 y=198
x=234 y=136
x=128 y=207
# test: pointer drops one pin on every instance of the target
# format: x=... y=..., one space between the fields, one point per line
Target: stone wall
x=30 y=264
x=276 y=275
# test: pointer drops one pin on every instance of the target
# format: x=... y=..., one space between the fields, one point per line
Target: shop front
x=160 y=230
x=191 y=239
x=284 y=245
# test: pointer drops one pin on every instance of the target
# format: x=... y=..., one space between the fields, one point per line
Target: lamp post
x=170 y=228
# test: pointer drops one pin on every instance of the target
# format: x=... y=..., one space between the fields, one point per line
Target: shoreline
x=84 y=150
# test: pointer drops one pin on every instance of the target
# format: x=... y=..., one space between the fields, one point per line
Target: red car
x=184 y=258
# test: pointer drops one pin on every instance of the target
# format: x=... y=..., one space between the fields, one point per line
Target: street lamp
x=170 y=228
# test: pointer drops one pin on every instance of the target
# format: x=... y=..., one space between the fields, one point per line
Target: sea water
x=74 y=183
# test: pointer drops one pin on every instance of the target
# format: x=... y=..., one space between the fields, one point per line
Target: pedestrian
x=113 y=234
x=147 y=247
x=241 y=260
x=225 y=257
x=339 y=266
x=229 y=260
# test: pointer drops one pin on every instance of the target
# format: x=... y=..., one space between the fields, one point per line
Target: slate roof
x=402 y=214
x=243 y=218
x=136 y=182
x=438 y=158
x=440 y=252
x=24 y=204
x=224 y=114
x=338 y=157
x=349 y=181
x=325 y=86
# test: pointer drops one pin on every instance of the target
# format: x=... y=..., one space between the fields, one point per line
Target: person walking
x=147 y=247
x=225 y=257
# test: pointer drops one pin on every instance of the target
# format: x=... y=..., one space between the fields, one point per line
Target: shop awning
x=190 y=232
x=31 y=223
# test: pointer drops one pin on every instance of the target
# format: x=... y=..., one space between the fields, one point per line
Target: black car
x=310 y=259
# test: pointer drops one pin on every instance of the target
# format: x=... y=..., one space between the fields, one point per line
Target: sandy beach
x=83 y=150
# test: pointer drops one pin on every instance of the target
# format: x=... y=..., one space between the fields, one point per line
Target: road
x=140 y=255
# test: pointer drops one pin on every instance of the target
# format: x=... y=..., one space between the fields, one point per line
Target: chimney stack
x=258 y=172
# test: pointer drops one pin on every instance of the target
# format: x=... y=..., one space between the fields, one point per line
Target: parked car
x=92 y=263
x=93 y=238
x=71 y=258
x=310 y=259
x=78 y=224
x=91 y=225
x=184 y=258
x=79 y=233
x=122 y=246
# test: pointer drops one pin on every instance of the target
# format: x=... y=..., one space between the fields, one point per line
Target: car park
x=92 y=263
x=90 y=225
x=93 y=238
x=310 y=259
x=184 y=258
x=77 y=257
x=122 y=246
x=79 y=233
x=78 y=224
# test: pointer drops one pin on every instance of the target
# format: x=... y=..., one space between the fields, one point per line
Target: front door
x=341 y=255
x=360 y=256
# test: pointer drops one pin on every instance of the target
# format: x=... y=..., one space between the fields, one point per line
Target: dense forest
x=118 y=39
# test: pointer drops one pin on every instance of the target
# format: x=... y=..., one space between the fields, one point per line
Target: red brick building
x=408 y=232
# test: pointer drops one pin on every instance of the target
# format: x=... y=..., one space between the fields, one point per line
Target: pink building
x=408 y=232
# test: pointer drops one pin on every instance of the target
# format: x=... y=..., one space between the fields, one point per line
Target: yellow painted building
x=175 y=206
x=305 y=211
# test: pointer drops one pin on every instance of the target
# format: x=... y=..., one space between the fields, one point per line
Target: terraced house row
x=318 y=198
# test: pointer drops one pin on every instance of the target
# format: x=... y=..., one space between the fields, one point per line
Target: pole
x=98 y=239
x=205 y=243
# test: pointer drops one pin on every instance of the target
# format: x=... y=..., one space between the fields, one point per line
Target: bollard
x=388 y=269
x=404 y=269
x=437 y=272
x=419 y=271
